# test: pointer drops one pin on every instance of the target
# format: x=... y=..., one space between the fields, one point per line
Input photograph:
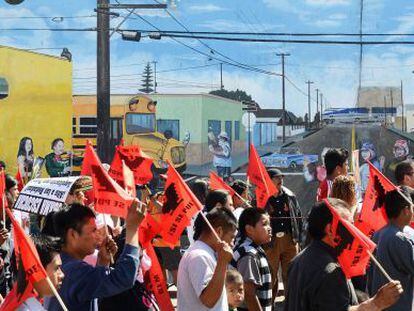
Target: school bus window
x=74 y=126
x=87 y=125
x=140 y=123
x=4 y=88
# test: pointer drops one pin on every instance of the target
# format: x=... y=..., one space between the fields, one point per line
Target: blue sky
x=334 y=69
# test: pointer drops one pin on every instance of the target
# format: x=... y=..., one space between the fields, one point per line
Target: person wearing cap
x=286 y=222
x=222 y=155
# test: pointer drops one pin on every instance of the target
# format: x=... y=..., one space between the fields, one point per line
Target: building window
x=169 y=125
x=236 y=130
x=214 y=126
x=229 y=130
x=87 y=125
x=4 y=88
x=74 y=125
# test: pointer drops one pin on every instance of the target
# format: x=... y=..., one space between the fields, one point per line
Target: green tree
x=238 y=95
x=146 y=86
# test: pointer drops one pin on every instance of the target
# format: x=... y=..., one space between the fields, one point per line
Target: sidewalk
x=240 y=159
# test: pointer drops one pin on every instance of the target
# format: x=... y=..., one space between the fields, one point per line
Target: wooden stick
x=243 y=199
x=55 y=292
x=379 y=266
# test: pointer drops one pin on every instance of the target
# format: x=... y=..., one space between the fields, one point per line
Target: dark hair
x=10 y=182
x=335 y=157
x=47 y=226
x=81 y=183
x=2 y=165
x=250 y=216
x=395 y=202
x=320 y=216
x=46 y=247
x=73 y=216
x=214 y=197
x=200 y=190
x=55 y=141
x=233 y=277
x=239 y=186
x=403 y=168
x=218 y=217
x=22 y=147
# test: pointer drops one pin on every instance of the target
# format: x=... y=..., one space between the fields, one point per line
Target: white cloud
x=207 y=8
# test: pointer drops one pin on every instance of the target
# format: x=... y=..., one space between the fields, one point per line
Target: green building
x=194 y=115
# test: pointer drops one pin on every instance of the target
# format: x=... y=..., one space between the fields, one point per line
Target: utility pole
x=309 y=103
x=320 y=119
x=392 y=107
x=103 y=82
x=402 y=109
x=283 y=55
x=103 y=138
x=155 y=76
x=317 y=101
x=221 y=76
x=385 y=110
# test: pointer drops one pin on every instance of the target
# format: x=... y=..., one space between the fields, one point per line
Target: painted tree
x=147 y=80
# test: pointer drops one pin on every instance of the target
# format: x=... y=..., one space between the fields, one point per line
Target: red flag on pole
x=19 y=294
x=3 y=201
x=155 y=282
x=373 y=217
x=148 y=229
x=110 y=198
x=217 y=183
x=129 y=182
x=258 y=175
x=139 y=163
x=20 y=182
x=352 y=245
x=179 y=206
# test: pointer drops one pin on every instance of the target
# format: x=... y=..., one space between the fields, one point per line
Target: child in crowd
x=234 y=289
x=250 y=259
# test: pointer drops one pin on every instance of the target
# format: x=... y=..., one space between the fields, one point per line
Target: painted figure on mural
x=368 y=153
x=401 y=152
x=25 y=158
x=221 y=150
x=59 y=163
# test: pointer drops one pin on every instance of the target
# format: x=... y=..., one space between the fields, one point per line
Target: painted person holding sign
x=84 y=284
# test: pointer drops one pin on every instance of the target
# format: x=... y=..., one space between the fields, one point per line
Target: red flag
x=179 y=207
x=148 y=229
x=20 y=182
x=139 y=163
x=373 y=217
x=352 y=245
x=129 y=182
x=3 y=200
x=26 y=251
x=155 y=282
x=17 y=296
x=258 y=175
x=216 y=183
x=110 y=198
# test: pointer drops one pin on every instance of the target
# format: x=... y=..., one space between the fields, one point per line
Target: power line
x=47 y=17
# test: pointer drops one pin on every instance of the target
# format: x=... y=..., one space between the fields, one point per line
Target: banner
x=217 y=183
x=44 y=195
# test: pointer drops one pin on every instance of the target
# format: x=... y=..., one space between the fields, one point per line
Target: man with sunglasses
x=286 y=222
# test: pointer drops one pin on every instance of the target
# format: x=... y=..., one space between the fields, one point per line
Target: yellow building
x=35 y=102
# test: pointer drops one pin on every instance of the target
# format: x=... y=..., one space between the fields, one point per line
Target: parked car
x=288 y=160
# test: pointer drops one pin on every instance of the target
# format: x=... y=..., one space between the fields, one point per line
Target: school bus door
x=116 y=132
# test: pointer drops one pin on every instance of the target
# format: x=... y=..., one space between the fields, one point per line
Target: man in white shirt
x=203 y=267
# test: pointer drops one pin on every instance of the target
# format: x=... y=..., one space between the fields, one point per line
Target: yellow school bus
x=133 y=119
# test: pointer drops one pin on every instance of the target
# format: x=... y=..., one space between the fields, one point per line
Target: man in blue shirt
x=395 y=250
x=84 y=284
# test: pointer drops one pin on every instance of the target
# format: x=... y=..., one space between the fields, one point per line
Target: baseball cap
x=274 y=172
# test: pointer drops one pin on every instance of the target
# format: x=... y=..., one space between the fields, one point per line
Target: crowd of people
x=232 y=256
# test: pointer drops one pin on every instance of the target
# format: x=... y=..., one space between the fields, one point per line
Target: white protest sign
x=44 y=195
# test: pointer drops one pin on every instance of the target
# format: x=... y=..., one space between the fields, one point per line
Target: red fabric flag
x=373 y=217
x=17 y=296
x=148 y=229
x=26 y=251
x=352 y=245
x=3 y=200
x=179 y=207
x=20 y=182
x=155 y=282
x=258 y=176
x=110 y=198
x=217 y=183
x=129 y=182
x=139 y=163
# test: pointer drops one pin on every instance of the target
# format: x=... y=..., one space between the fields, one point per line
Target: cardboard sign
x=44 y=195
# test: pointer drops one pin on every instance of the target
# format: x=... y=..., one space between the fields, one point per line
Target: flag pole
x=55 y=292
x=210 y=226
x=387 y=276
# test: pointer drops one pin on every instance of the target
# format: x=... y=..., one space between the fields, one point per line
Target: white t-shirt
x=31 y=304
x=237 y=212
x=194 y=273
